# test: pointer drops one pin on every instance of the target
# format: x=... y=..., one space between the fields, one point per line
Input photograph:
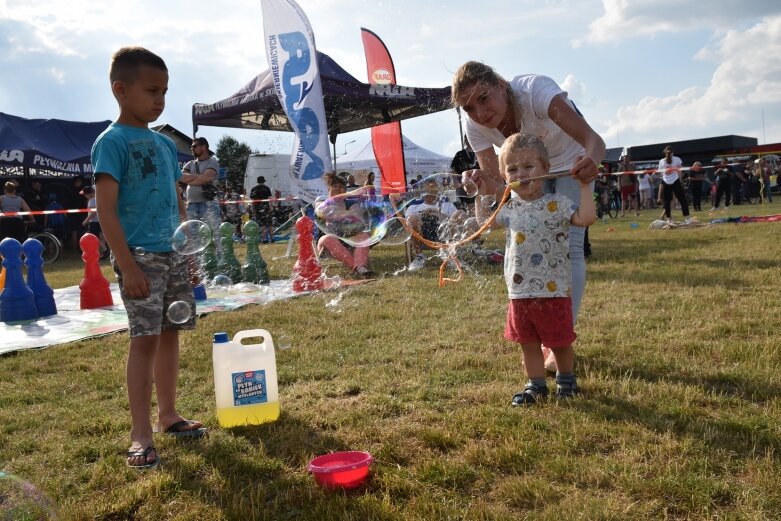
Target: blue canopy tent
x=49 y=147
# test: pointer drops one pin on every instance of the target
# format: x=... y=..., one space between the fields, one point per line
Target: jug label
x=249 y=387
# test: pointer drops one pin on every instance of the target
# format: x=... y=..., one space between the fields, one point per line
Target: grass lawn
x=679 y=358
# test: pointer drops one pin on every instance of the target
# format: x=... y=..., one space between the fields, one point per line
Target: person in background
x=644 y=184
x=724 y=177
x=234 y=209
x=670 y=167
x=696 y=178
x=627 y=182
x=262 y=209
x=75 y=202
x=56 y=222
x=766 y=172
x=13 y=225
x=428 y=217
x=537 y=268
x=136 y=172
x=342 y=221
x=739 y=182
x=200 y=176
x=36 y=199
x=368 y=187
x=92 y=222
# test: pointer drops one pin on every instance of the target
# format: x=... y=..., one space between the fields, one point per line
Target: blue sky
x=642 y=71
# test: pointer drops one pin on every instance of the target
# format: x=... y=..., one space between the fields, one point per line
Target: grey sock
x=538 y=382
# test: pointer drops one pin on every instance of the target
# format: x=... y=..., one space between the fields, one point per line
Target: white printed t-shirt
x=536 y=259
x=535 y=93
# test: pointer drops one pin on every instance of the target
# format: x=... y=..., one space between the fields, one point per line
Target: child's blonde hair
x=475 y=73
x=520 y=141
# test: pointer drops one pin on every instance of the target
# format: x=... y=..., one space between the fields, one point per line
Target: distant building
x=181 y=140
x=691 y=150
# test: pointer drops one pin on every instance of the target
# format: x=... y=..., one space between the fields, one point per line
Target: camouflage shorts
x=169 y=281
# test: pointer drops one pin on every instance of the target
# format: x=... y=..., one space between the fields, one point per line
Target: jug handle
x=241 y=335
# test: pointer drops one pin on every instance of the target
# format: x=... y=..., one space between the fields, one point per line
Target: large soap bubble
x=355 y=217
x=20 y=499
x=191 y=237
x=359 y=218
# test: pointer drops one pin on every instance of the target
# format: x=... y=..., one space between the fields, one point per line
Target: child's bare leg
x=166 y=371
x=565 y=359
x=533 y=360
x=140 y=362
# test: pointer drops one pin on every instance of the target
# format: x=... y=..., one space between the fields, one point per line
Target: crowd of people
x=631 y=189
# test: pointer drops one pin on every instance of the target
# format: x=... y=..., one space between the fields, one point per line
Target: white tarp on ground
x=417 y=160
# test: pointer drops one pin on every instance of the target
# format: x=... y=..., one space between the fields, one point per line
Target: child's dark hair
x=332 y=178
x=126 y=61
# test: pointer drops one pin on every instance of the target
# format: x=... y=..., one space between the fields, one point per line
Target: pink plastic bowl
x=341 y=469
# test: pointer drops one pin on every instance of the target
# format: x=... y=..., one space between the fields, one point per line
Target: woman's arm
x=577 y=128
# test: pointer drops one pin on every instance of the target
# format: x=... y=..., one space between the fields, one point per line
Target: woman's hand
x=585 y=169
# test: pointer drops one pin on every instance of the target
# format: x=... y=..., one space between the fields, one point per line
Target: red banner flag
x=386 y=139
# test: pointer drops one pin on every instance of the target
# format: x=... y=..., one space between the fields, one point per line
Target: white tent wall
x=417 y=160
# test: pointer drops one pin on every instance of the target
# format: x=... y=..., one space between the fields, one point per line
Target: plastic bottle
x=245 y=379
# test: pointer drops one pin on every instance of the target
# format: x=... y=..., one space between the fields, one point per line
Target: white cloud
x=623 y=19
x=744 y=83
x=576 y=90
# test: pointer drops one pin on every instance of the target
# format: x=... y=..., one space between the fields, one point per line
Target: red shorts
x=546 y=320
x=627 y=192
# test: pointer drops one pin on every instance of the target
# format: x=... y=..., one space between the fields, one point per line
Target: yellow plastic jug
x=245 y=379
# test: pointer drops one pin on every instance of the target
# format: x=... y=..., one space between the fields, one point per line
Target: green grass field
x=678 y=353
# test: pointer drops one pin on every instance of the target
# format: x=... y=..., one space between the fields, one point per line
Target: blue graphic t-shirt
x=536 y=259
x=144 y=164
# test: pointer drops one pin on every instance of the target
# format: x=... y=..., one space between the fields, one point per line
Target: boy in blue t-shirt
x=139 y=209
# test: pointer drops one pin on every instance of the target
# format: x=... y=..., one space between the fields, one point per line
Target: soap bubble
x=395 y=232
x=361 y=219
x=355 y=217
x=191 y=237
x=179 y=312
x=222 y=280
x=21 y=500
x=488 y=200
x=284 y=342
x=470 y=188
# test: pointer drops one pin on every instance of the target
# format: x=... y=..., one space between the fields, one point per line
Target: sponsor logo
x=382 y=77
x=296 y=81
x=12 y=155
x=391 y=90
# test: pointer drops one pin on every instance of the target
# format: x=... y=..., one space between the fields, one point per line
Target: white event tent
x=417 y=160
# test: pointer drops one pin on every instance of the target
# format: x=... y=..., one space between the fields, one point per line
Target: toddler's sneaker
x=566 y=387
x=530 y=395
x=417 y=263
x=690 y=220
